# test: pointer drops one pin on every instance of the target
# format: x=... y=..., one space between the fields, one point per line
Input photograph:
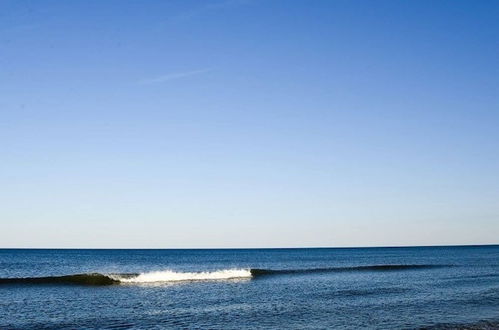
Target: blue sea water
x=337 y=288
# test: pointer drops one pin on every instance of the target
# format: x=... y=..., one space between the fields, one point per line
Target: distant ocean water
x=375 y=288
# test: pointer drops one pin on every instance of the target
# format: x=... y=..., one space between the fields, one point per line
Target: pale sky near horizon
x=189 y=124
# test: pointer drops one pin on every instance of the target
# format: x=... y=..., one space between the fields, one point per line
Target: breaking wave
x=97 y=279
x=172 y=276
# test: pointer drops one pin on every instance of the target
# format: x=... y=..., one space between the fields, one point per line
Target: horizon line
x=257 y=248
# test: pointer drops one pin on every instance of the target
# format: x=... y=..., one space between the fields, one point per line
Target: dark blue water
x=377 y=288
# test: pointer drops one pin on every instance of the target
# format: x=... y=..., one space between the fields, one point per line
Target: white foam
x=172 y=276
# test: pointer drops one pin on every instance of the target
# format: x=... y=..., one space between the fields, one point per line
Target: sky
x=248 y=123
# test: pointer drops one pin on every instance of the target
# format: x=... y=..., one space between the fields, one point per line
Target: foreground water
x=443 y=287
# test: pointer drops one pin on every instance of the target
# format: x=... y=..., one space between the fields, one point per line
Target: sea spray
x=173 y=276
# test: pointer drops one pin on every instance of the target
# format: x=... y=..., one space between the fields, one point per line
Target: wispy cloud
x=173 y=76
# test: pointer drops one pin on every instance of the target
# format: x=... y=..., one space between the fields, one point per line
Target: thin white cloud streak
x=173 y=76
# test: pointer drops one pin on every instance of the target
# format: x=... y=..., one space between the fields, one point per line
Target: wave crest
x=172 y=276
x=369 y=268
x=78 y=279
x=224 y=274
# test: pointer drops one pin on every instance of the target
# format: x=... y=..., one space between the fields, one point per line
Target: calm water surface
x=376 y=288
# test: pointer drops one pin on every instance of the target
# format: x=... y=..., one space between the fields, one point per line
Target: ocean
x=323 y=288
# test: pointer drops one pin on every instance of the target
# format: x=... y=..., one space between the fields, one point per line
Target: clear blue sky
x=248 y=123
